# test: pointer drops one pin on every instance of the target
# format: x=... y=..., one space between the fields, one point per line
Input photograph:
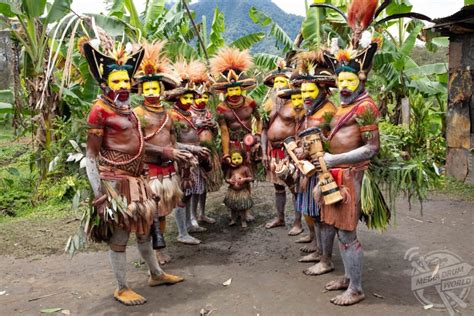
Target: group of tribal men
x=147 y=161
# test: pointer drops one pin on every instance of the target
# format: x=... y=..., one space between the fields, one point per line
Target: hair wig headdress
x=361 y=15
x=229 y=67
x=104 y=56
x=155 y=66
x=281 y=71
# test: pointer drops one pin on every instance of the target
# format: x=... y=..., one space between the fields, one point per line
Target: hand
x=202 y=152
x=226 y=160
x=299 y=152
x=266 y=161
x=181 y=155
x=100 y=203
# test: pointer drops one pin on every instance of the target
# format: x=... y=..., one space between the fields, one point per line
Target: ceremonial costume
x=123 y=203
x=235 y=113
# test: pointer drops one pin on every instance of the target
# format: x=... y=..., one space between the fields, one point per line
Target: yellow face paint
x=309 y=90
x=280 y=82
x=234 y=91
x=119 y=80
x=236 y=158
x=203 y=99
x=187 y=99
x=296 y=100
x=348 y=80
x=151 y=89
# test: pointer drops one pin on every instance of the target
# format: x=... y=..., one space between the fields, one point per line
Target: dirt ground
x=266 y=278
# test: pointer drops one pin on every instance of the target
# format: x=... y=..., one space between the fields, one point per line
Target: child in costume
x=239 y=196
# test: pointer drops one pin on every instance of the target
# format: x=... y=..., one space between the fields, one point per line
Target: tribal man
x=236 y=112
x=123 y=201
x=207 y=130
x=282 y=122
x=154 y=77
x=187 y=134
x=315 y=79
x=353 y=142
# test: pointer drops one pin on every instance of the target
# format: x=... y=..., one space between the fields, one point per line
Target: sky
x=431 y=8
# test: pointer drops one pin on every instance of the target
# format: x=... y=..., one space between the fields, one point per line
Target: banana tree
x=29 y=26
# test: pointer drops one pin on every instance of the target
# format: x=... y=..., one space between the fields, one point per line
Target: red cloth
x=155 y=170
x=277 y=153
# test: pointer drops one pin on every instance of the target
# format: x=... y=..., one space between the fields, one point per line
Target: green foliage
x=216 y=40
x=247 y=41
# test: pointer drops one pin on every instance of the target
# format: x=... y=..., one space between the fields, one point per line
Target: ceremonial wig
x=281 y=70
x=199 y=77
x=182 y=69
x=311 y=67
x=155 y=67
x=229 y=67
x=105 y=56
x=357 y=58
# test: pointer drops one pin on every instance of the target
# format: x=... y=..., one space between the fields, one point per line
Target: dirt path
x=266 y=279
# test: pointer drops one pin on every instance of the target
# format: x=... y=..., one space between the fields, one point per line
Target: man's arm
x=94 y=143
x=225 y=138
x=366 y=152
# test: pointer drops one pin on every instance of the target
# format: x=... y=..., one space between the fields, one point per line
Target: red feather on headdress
x=360 y=16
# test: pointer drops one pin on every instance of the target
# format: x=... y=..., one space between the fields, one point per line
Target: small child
x=239 y=197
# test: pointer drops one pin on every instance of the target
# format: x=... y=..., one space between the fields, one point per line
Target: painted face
x=234 y=91
x=151 y=89
x=309 y=92
x=185 y=101
x=119 y=80
x=280 y=82
x=201 y=101
x=236 y=159
x=297 y=101
x=347 y=80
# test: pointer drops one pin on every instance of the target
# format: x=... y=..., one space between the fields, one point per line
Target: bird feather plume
x=231 y=58
x=307 y=61
x=154 y=60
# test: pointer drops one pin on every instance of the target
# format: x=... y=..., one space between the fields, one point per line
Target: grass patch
x=457 y=188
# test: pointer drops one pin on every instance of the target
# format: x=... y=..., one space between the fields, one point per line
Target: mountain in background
x=238 y=22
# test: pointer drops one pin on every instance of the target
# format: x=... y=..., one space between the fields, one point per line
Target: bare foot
x=312 y=257
x=335 y=285
x=188 y=240
x=129 y=297
x=196 y=229
x=162 y=257
x=295 y=230
x=249 y=217
x=276 y=222
x=206 y=219
x=305 y=239
x=311 y=247
x=319 y=268
x=244 y=224
x=349 y=297
x=232 y=222
x=164 y=278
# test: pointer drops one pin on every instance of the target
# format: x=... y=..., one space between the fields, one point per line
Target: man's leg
x=157 y=275
x=325 y=265
x=161 y=255
x=297 y=226
x=183 y=235
x=352 y=255
x=311 y=238
x=118 y=260
x=316 y=255
x=191 y=209
x=280 y=201
x=202 y=215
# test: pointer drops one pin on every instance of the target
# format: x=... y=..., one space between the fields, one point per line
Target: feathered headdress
x=155 y=66
x=104 y=56
x=281 y=70
x=229 y=67
x=311 y=67
x=199 y=77
x=361 y=15
x=182 y=69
